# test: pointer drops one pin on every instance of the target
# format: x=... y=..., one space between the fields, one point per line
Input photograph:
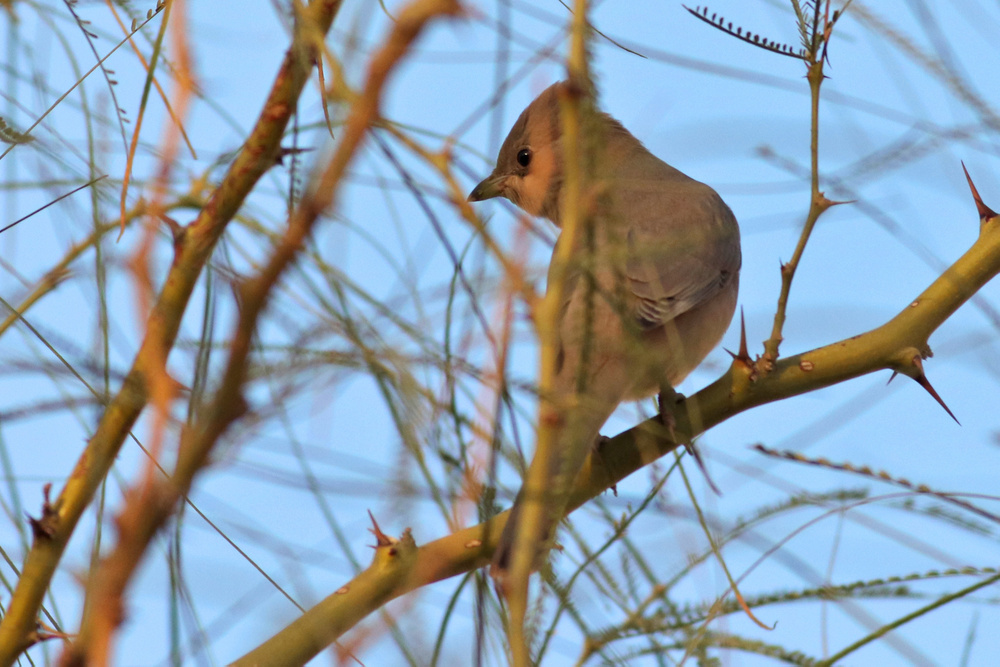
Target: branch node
x=44 y=527
x=44 y=633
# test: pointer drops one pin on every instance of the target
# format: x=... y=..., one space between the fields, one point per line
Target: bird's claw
x=669 y=423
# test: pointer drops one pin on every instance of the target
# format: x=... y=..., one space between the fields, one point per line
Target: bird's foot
x=668 y=398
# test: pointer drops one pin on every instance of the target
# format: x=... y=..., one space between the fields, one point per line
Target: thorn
x=44 y=633
x=892 y=377
x=381 y=539
x=922 y=380
x=176 y=229
x=985 y=212
x=44 y=528
x=744 y=355
x=283 y=152
x=744 y=352
x=925 y=383
x=831 y=203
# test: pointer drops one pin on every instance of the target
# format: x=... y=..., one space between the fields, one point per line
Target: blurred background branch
x=394 y=367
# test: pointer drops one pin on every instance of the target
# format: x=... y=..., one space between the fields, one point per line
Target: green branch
x=898 y=345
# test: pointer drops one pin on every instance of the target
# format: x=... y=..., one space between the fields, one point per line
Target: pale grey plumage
x=664 y=257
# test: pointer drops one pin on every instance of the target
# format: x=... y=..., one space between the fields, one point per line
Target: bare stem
x=192 y=247
x=150 y=504
x=818 y=203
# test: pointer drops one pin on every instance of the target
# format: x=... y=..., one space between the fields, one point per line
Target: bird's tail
x=541 y=503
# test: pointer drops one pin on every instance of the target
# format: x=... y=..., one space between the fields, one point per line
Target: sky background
x=292 y=487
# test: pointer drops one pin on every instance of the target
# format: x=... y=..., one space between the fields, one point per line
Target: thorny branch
x=897 y=345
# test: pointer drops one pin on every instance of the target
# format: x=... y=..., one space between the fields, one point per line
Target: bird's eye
x=524 y=157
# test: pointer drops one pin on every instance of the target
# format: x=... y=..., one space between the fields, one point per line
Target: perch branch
x=898 y=345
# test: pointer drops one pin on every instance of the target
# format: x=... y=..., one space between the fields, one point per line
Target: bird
x=649 y=291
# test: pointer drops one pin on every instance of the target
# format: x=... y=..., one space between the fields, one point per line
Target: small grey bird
x=649 y=292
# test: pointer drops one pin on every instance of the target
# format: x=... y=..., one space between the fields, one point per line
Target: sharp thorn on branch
x=985 y=212
x=743 y=356
x=279 y=158
x=744 y=352
x=381 y=539
x=922 y=380
x=176 y=229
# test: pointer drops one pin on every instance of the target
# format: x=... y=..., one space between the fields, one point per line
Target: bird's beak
x=489 y=188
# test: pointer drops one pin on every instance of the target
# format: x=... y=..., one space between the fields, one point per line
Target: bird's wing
x=682 y=249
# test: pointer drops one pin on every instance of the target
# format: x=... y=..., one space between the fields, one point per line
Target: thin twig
x=149 y=505
x=193 y=247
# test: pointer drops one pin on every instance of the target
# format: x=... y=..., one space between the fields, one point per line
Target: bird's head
x=529 y=170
